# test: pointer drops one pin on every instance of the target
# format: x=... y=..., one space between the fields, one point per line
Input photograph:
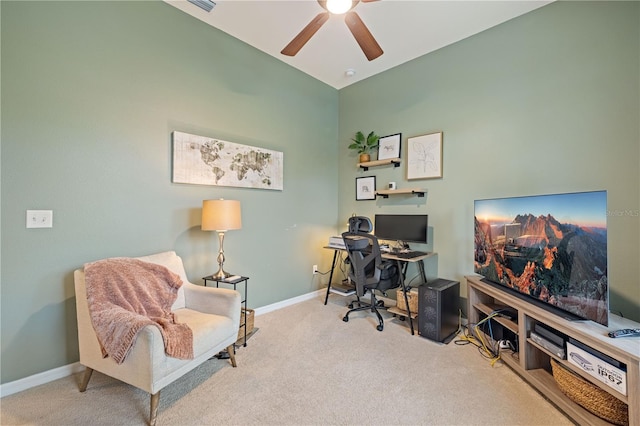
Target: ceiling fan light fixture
x=338 y=7
x=361 y=33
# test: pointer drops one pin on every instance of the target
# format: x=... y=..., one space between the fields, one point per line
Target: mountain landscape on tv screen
x=562 y=264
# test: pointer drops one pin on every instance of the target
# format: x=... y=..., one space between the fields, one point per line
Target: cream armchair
x=213 y=314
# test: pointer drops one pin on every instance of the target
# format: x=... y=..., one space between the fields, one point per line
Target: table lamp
x=221 y=216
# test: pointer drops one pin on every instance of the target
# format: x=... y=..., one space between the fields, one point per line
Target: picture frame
x=202 y=160
x=389 y=146
x=424 y=156
x=365 y=188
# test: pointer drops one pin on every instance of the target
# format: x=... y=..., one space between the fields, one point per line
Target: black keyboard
x=409 y=254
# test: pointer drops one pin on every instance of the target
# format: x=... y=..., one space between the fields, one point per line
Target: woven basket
x=412 y=296
x=250 y=322
x=591 y=397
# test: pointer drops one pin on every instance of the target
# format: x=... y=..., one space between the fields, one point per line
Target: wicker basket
x=412 y=296
x=250 y=321
x=591 y=397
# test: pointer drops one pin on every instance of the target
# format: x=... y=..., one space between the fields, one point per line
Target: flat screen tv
x=550 y=248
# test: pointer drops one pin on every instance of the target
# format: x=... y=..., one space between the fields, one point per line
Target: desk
x=402 y=267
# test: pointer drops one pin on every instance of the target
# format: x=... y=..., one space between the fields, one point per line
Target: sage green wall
x=545 y=103
x=91 y=92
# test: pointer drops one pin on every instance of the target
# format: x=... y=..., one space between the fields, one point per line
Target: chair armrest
x=212 y=300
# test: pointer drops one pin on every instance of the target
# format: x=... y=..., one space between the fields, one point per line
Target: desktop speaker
x=438 y=307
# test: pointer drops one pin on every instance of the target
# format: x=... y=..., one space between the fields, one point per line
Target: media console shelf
x=404 y=191
x=375 y=163
x=533 y=362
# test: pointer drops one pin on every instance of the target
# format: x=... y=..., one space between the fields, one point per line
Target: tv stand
x=552 y=309
x=533 y=362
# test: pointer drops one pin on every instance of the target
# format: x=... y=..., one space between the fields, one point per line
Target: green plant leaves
x=364 y=145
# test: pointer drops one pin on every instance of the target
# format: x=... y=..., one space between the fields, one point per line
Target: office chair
x=360 y=224
x=368 y=271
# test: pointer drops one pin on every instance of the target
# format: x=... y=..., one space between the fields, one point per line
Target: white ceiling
x=405 y=29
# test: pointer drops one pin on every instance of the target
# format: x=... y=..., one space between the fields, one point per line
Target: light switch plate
x=39 y=218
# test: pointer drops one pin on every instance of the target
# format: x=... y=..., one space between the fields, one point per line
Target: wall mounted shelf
x=375 y=163
x=404 y=191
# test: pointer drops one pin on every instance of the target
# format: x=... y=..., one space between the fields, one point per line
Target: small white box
x=598 y=368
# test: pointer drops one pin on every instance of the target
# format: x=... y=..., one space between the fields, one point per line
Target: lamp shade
x=221 y=215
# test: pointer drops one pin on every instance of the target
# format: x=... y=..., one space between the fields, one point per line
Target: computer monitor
x=408 y=228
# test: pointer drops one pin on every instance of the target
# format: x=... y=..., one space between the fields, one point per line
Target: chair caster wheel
x=380 y=327
x=345 y=319
x=402 y=318
x=350 y=305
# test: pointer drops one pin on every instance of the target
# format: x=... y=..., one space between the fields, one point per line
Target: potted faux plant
x=364 y=145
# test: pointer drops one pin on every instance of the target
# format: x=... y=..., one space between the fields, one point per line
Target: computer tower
x=438 y=308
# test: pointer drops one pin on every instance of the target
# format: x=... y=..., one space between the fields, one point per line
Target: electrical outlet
x=315 y=269
x=505 y=344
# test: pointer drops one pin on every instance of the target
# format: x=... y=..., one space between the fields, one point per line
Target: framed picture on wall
x=366 y=188
x=389 y=146
x=424 y=156
x=202 y=160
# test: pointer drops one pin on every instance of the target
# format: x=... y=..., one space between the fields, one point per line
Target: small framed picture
x=424 y=156
x=389 y=146
x=366 y=188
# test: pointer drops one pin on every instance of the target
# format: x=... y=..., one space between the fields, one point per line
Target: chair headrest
x=360 y=224
x=356 y=243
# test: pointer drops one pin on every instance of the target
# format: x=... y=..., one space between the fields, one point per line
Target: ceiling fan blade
x=307 y=32
x=367 y=43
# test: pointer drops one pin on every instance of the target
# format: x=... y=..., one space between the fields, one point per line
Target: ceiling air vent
x=207 y=5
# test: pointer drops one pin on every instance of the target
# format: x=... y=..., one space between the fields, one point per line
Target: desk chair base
x=363 y=306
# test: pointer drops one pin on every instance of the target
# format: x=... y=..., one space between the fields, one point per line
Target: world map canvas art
x=207 y=161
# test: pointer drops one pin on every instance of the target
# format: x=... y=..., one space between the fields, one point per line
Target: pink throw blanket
x=127 y=294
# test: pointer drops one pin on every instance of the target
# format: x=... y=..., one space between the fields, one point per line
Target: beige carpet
x=305 y=366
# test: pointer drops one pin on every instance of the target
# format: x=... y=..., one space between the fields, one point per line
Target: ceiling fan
x=367 y=42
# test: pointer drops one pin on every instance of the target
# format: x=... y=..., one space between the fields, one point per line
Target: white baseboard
x=288 y=302
x=20 y=385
